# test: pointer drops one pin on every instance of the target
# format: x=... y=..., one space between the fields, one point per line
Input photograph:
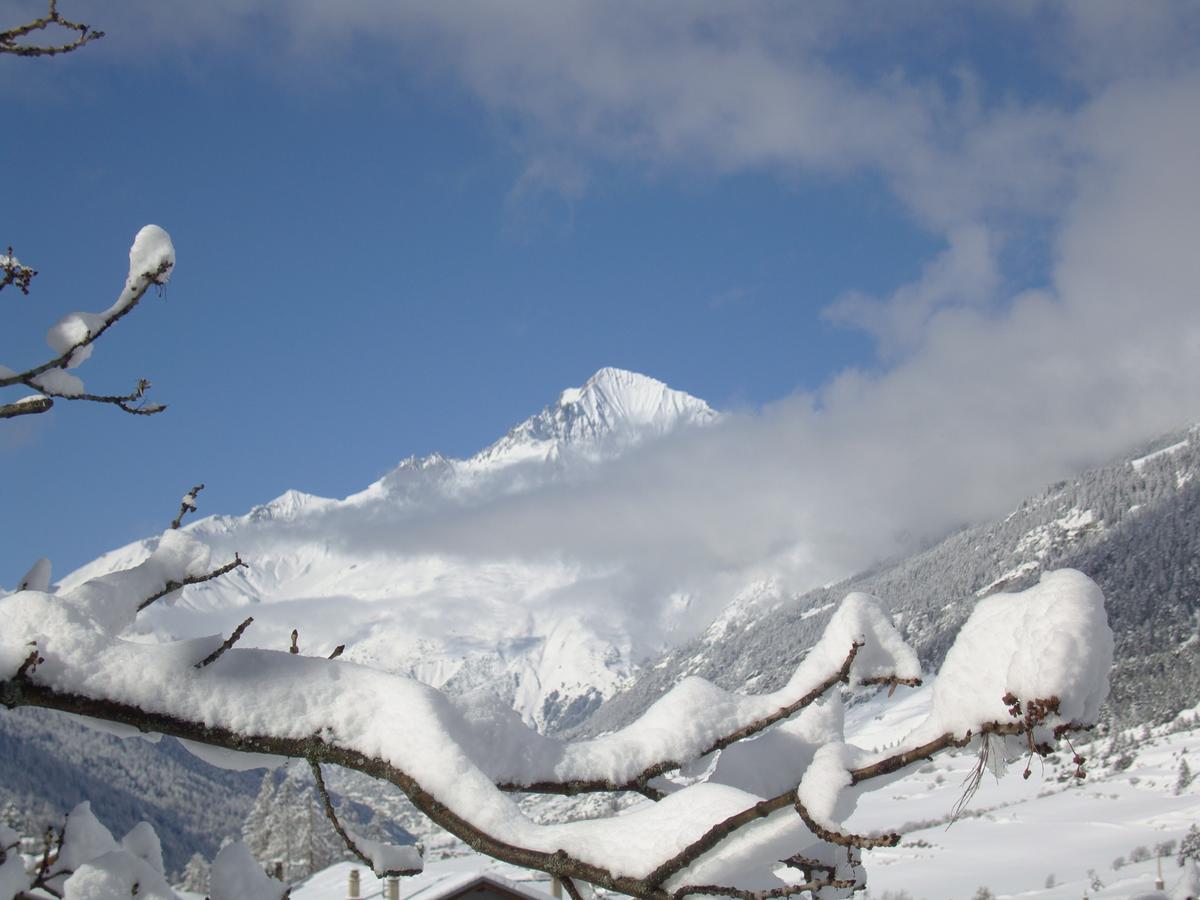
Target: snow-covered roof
x=441 y=879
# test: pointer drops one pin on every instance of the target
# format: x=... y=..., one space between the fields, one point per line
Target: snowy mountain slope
x=1133 y=526
x=543 y=631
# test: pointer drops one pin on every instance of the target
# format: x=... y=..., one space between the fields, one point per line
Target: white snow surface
x=58 y=381
x=116 y=875
x=37 y=578
x=236 y=875
x=1051 y=640
x=1016 y=833
x=387 y=858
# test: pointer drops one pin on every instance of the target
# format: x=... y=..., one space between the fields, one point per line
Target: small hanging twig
x=187 y=505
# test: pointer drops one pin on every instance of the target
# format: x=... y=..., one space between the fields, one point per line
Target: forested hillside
x=1133 y=526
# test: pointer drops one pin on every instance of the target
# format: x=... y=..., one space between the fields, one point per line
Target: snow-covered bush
x=87 y=863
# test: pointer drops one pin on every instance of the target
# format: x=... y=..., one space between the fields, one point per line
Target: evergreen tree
x=195 y=875
x=1189 y=847
x=1185 y=777
x=256 y=829
x=287 y=825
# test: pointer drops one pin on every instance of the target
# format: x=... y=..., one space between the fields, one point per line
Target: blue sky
x=404 y=229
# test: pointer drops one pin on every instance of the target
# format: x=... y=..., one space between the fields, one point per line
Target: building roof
x=441 y=879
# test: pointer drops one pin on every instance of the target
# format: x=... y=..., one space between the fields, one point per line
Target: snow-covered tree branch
x=151 y=259
x=739 y=782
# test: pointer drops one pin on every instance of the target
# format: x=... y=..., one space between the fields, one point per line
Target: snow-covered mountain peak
x=456 y=619
x=613 y=409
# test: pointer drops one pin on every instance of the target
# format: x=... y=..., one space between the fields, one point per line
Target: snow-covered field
x=1036 y=838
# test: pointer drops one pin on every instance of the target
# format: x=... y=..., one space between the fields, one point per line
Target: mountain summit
x=613 y=410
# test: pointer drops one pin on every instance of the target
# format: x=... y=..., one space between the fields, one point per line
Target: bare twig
x=31 y=662
x=51 y=845
x=186 y=505
x=295 y=648
x=9 y=39
x=124 y=401
x=337 y=651
x=172 y=586
x=572 y=891
x=13 y=272
x=229 y=642
x=327 y=804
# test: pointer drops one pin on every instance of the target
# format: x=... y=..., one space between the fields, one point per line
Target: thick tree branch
x=9 y=40
x=23 y=690
x=30 y=406
x=172 y=586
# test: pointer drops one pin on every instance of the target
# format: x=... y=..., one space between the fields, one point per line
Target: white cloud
x=965 y=274
x=991 y=402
